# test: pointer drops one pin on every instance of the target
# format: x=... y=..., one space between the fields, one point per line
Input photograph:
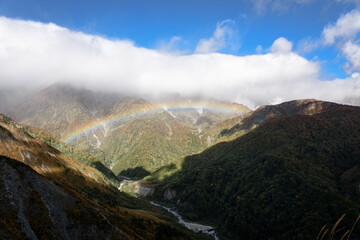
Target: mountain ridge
x=123 y=133
x=274 y=170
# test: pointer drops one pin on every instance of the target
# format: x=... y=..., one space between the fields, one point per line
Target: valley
x=180 y=120
x=196 y=227
x=215 y=164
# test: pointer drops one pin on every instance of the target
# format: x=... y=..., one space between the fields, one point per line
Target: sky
x=250 y=51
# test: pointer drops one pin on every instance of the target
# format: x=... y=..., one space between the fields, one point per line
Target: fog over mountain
x=47 y=53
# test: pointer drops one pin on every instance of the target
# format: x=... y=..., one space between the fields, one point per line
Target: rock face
x=140 y=188
x=169 y=194
x=34 y=207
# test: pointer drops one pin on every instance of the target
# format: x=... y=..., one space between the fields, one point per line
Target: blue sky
x=246 y=28
x=148 y=22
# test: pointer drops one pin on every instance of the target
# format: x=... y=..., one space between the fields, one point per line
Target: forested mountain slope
x=283 y=180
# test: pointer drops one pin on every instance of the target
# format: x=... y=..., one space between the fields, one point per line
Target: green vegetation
x=266 y=113
x=149 y=142
x=73 y=153
x=283 y=180
x=59 y=197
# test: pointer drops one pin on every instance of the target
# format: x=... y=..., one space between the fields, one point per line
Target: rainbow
x=149 y=110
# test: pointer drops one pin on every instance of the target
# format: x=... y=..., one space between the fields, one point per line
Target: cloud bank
x=37 y=54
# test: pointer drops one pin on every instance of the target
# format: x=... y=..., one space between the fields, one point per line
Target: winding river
x=195 y=227
x=192 y=226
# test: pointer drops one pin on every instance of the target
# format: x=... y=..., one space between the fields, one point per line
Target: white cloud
x=37 y=54
x=281 y=45
x=346 y=27
x=344 y=34
x=352 y=53
x=224 y=35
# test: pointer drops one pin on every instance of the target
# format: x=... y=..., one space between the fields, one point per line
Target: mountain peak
x=269 y=112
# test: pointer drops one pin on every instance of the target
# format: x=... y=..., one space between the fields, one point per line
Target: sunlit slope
x=70 y=151
x=150 y=142
x=48 y=195
x=17 y=144
x=138 y=134
x=124 y=133
x=238 y=126
x=214 y=134
x=283 y=180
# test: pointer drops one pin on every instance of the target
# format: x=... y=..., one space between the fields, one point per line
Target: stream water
x=192 y=226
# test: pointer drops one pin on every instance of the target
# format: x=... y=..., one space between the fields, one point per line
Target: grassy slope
x=93 y=208
x=283 y=180
x=147 y=141
x=213 y=135
x=238 y=126
x=73 y=153
x=150 y=142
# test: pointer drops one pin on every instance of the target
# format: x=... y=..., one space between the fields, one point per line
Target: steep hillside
x=48 y=195
x=73 y=153
x=283 y=180
x=149 y=142
x=123 y=133
x=214 y=134
x=245 y=123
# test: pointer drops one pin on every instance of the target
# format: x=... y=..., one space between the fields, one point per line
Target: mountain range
x=130 y=136
x=285 y=171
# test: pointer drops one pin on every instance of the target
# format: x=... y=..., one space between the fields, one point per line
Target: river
x=195 y=227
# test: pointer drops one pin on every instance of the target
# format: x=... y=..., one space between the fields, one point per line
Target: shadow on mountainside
x=137 y=173
x=283 y=180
